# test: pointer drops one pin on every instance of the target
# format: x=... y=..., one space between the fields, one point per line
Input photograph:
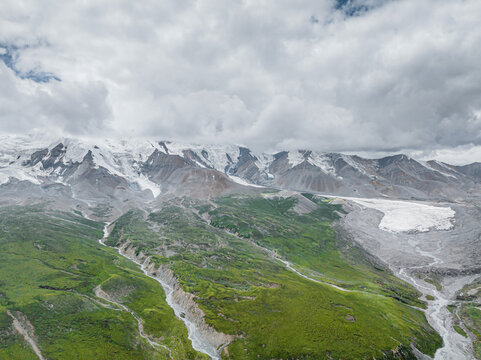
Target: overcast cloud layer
x=372 y=76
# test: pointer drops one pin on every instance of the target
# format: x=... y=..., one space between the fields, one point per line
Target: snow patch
x=319 y=160
x=123 y=158
x=4 y=178
x=241 y=181
x=146 y=184
x=17 y=173
x=216 y=155
x=362 y=169
x=295 y=157
x=322 y=162
x=263 y=162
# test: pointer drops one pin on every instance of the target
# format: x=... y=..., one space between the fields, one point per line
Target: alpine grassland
x=231 y=254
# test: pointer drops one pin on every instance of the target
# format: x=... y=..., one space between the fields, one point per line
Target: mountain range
x=142 y=170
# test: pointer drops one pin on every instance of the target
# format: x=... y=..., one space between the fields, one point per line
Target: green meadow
x=50 y=264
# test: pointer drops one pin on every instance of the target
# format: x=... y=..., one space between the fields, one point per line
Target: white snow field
x=406 y=216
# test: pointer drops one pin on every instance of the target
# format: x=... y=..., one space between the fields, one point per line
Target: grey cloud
x=403 y=75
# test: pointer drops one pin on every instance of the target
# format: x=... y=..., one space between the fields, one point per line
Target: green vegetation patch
x=460 y=330
x=436 y=284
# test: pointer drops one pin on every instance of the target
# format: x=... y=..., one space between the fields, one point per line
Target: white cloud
x=459 y=155
x=62 y=107
x=405 y=75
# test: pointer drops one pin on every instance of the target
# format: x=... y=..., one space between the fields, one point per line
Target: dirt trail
x=27 y=333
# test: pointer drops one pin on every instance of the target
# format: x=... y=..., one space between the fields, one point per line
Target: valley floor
x=238 y=277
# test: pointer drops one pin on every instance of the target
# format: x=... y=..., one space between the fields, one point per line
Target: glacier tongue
x=407 y=216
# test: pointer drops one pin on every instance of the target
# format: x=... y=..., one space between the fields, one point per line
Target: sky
x=359 y=76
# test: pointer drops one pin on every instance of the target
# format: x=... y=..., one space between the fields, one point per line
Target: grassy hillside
x=50 y=264
x=214 y=251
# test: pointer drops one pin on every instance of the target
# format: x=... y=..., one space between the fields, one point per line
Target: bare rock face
x=192 y=311
x=186 y=176
x=25 y=328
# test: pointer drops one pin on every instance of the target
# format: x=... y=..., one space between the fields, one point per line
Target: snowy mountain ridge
x=148 y=165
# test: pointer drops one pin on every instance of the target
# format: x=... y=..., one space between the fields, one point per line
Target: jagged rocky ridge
x=139 y=171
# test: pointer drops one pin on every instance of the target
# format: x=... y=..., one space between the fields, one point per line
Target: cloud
x=372 y=76
x=61 y=107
